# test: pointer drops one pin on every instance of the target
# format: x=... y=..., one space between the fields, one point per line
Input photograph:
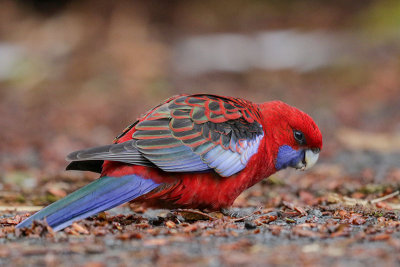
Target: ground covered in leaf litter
x=329 y=215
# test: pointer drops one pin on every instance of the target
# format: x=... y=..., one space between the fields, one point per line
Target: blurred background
x=74 y=74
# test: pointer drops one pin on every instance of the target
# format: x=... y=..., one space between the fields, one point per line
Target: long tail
x=102 y=194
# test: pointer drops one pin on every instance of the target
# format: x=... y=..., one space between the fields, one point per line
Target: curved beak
x=310 y=158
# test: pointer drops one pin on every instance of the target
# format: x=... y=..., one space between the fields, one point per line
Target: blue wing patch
x=227 y=162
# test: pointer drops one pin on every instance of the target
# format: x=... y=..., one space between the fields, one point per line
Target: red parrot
x=192 y=151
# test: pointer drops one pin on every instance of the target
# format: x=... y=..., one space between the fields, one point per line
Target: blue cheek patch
x=288 y=157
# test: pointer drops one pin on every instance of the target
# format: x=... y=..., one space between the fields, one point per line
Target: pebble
x=249 y=225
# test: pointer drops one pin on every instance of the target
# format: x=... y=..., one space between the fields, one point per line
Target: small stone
x=249 y=225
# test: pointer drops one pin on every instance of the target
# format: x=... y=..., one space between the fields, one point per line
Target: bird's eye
x=299 y=137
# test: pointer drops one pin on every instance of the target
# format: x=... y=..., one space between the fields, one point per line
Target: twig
x=242 y=218
x=385 y=197
x=20 y=208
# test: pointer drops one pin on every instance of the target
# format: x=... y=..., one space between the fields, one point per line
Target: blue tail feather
x=102 y=194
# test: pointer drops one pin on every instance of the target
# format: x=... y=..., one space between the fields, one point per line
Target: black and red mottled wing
x=189 y=134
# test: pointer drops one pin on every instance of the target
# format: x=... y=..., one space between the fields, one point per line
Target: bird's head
x=292 y=136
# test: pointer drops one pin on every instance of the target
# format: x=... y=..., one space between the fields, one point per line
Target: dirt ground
x=322 y=217
x=75 y=74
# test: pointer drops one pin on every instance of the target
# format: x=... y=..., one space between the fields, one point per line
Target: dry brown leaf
x=80 y=229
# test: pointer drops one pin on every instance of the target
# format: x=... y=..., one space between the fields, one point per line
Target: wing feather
x=186 y=134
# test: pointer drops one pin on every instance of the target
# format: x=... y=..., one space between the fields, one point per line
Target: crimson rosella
x=192 y=151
